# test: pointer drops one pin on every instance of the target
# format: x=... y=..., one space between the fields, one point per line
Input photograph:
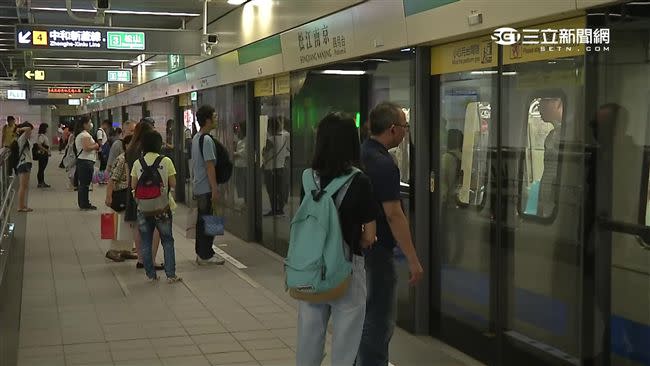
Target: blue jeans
x=347 y=315
x=146 y=226
x=381 y=307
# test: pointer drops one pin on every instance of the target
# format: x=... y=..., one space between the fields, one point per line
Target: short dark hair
x=151 y=142
x=127 y=140
x=383 y=116
x=79 y=126
x=11 y=118
x=337 y=145
x=107 y=122
x=148 y=120
x=42 y=128
x=203 y=114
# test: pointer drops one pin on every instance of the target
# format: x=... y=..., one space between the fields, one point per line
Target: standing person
x=241 y=161
x=276 y=156
x=336 y=156
x=41 y=153
x=24 y=167
x=9 y=132
x=204 y=169
x=132 y=154
x=387 y=129
x=116 y=192
x=103 y=134
x=86 y=147
x=118 y=146
x=155 y=213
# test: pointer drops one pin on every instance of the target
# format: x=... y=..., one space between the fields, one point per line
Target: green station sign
x=119 y=76
x=125 y=40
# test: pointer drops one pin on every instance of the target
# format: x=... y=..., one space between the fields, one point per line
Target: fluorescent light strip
x=79 y=59
x=126 y=12
x=343 y=72
x=486 y=72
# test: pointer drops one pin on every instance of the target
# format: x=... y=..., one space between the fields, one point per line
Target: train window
x=543 y=133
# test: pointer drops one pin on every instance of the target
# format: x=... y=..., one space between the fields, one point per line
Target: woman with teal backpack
x=337 y=196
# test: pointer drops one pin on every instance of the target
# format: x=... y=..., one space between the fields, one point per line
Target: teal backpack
x=318 y=266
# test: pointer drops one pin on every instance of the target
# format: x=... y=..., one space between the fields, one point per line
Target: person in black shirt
x=336 y=152
x=387 y=130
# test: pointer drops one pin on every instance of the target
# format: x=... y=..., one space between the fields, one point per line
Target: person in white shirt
x=275 y=155
x=104 y=148
x=86 y=147
x=24 y=166
x=240 y=161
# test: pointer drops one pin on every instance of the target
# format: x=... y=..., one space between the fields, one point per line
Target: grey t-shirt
x=199 y=169
x=117 y=149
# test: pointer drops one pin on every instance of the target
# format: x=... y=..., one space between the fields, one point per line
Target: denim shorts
x=24 y=168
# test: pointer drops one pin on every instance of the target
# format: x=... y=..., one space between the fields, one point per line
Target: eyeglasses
x=406 y=125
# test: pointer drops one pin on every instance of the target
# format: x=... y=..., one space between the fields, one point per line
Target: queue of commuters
x=368 y=218
x=352 y=190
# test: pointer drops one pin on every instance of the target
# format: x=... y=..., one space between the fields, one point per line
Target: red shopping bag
x=109 y=225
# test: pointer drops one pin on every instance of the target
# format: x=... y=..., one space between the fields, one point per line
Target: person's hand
x=109 y=201
x=214 y=198
x=416 y=272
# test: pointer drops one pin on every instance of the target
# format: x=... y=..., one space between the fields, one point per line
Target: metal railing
x=12 y=254
x=7 y=194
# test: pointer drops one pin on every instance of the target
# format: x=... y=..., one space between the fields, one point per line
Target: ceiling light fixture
x=124 y=12
x=236 y=2
x=79 y=59
x=343 y=72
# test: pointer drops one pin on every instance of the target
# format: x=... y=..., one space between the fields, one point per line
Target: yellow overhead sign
x=282 y=84
x=547 y=41
x=471 y=54
x=264 y=87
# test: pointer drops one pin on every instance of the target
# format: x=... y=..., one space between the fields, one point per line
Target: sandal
x=25 y=210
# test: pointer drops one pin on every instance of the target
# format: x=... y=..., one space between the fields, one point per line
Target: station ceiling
x=160 y=14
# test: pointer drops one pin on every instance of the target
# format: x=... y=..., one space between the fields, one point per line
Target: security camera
x=102 y=4
x=210 y=39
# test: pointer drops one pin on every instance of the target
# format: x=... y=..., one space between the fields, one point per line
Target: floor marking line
x=228 y=257
x=122 y=284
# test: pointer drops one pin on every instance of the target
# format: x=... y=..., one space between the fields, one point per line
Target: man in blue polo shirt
x=387 y=130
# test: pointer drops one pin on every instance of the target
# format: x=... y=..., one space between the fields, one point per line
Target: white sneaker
x=214 y=260
x=174 y=279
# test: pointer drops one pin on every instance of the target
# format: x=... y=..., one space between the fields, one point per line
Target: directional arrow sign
x=25 y=37
x=36 y=74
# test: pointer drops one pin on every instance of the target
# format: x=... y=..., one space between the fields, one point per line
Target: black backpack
x=224 y=164
x=15 y=155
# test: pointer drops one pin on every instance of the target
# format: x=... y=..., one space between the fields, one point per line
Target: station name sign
x=68 y=90
x=106 y=39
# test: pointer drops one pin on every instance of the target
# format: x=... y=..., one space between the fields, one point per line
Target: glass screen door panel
x=543 y=190
x=466 y=213
x=621 y=146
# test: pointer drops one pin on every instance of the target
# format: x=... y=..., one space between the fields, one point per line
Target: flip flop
x=25 y=210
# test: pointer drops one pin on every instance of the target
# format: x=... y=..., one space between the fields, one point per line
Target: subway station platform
x=78 y=308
